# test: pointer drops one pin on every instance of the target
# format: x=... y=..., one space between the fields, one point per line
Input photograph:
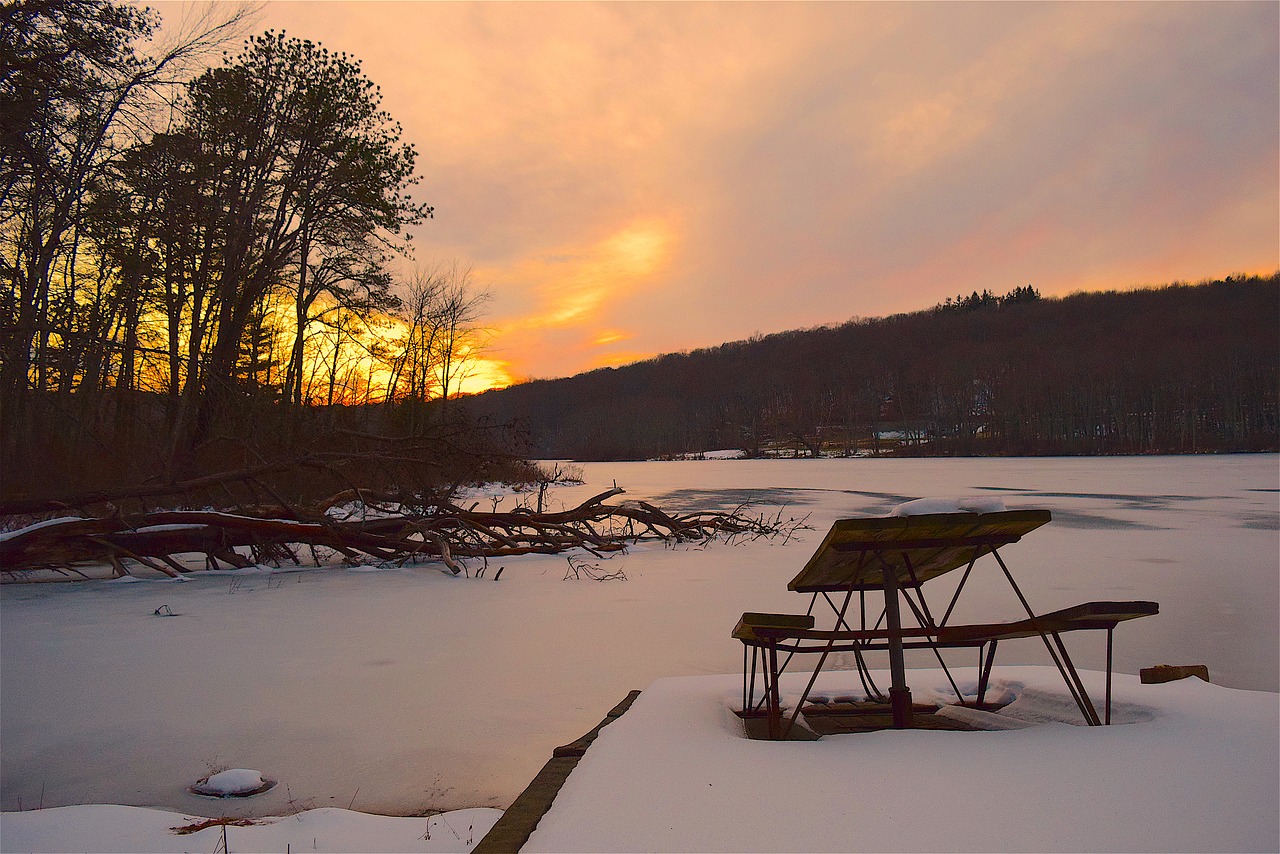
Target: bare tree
x=76 y=91
x=441 y=309
x=331 y=280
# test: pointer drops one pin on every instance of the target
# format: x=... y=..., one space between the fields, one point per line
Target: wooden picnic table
x=894 y=556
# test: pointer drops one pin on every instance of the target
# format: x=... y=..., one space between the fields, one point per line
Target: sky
x=629 y=179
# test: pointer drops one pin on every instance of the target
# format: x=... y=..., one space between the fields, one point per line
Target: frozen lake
x=400 y=691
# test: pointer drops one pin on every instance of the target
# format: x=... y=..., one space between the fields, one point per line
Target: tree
x=303 y=157
x=1167 y=370
x=74 y=92
x=332 y=279
x=440 y=310
x=458 y=312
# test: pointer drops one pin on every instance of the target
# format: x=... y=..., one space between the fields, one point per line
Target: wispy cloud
x=570 y=293
x=636 y=178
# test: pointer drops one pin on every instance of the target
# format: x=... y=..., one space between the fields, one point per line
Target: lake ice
x=399 y=691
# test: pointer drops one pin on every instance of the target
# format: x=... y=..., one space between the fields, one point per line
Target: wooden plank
x=1089 y=615
x=1109 y=610
x=520 y=819
x=851 y=553
x=797 y=621
x=934 y=543
x=764 y=633
x=752 y=624
x=1171 y=672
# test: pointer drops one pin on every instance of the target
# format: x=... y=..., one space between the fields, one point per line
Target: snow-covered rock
x=234 y=782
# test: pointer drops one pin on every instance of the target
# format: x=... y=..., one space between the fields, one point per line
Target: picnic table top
x=854 y=552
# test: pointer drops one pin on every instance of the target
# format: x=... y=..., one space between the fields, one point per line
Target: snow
x=1187 y=766
x=676 y=773
x=109 y=828
x=35 y=526
x=407 y=690
x=721 y=454
x=493 y=489
x=923 y=506
x=234 y=781
x=979 y=719
x=252 y=569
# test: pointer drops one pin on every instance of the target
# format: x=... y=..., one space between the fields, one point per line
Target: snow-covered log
x=443 y=532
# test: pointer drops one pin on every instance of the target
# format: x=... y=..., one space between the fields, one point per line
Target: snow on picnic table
x=972 y=504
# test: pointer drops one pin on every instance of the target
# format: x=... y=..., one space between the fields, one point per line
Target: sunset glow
x=632 y=179
x=485 y=373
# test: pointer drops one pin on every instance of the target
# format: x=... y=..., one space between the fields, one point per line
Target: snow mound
x=233 y=783
x=1038 y=706
x=672 y=774
x=110 y=828
x=979 y=719
x=975 y=504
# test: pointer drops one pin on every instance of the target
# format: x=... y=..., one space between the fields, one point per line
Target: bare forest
x=205 y=244
x=1178 y=369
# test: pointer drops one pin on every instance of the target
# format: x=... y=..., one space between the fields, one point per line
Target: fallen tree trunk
x=444 y=532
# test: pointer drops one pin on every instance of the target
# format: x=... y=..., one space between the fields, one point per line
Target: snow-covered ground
x=1196 y=770
x=402 y=691
x=135 y=830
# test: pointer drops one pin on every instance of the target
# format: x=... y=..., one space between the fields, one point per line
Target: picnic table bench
x=895 y=556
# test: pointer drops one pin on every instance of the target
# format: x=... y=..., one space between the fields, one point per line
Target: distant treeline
x=1177 y=369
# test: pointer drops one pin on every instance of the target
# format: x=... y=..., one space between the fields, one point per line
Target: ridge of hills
x=1174 y=369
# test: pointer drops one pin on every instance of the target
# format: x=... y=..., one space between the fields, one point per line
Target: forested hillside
x=1178 y=369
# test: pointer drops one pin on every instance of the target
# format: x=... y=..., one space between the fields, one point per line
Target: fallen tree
x=360 y=525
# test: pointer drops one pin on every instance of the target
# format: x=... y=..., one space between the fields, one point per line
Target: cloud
x=570 y=292
x=685 y=174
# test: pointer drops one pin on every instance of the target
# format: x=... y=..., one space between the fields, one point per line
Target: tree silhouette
x=304 y=159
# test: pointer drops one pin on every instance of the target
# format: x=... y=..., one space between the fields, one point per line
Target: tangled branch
x=362 y=524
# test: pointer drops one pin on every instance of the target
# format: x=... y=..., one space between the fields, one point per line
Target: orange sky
x=630 y=179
